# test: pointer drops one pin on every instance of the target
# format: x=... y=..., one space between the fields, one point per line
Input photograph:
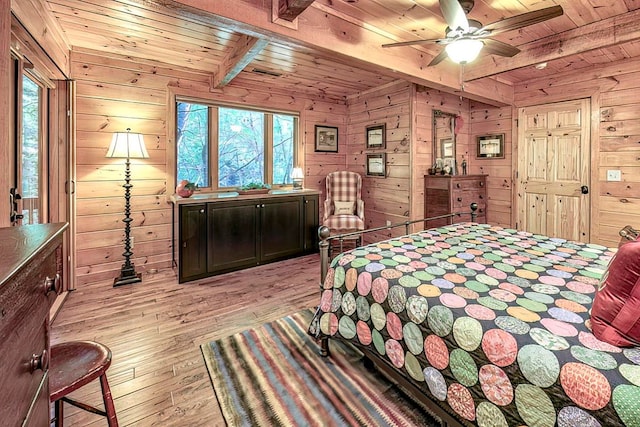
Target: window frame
x=213 y=117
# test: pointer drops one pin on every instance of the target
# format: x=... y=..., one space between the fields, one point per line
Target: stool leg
x=109 y=407
x=58 y=412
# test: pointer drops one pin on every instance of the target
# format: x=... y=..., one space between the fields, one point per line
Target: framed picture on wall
x=377 y=164
x=376 y=136
x=490 y=147
x=326 y=139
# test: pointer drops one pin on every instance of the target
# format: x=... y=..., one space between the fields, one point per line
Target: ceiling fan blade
x=496 y=47
x=523 y=20
x=409 y=43
x=454 y=15
x=438 y=58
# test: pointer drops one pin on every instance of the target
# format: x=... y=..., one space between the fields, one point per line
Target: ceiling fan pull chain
x=461 y=80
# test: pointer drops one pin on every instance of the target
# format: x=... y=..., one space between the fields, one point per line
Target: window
x=223 y=147
x=29 y=167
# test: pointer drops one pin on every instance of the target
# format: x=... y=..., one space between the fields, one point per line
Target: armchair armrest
x=360 y=208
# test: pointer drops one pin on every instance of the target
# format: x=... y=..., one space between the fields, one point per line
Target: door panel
x=553 y=165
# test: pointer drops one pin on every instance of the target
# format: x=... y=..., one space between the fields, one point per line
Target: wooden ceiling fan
x=465 y=38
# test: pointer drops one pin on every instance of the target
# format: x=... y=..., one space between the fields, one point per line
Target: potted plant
x=254 y=188
x=186 y=188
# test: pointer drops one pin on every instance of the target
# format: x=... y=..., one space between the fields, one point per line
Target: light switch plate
x=614 y=175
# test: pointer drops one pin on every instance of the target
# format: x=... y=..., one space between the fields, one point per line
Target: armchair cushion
x=343 y=208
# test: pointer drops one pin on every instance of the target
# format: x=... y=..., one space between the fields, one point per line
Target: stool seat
x=74 y=364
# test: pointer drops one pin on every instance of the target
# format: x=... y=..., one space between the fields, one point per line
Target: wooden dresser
x=30 y=279
x=445 y=194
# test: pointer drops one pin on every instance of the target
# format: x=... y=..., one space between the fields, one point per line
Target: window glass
x=223 y=147
x=283 y=143
x=192 y=142
x=240 y=147
x=30 y=151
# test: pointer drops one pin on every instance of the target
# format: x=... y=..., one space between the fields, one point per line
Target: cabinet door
x=193 y=242
x=311 y=224
x=281 y=228
x=233 y=235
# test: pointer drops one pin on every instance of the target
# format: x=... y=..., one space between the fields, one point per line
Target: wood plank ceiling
x=589 y=32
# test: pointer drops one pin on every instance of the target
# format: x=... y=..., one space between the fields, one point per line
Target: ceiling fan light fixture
x=464 y=50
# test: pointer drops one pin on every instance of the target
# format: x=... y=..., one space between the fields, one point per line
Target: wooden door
x=553 y=170
x=193 y=242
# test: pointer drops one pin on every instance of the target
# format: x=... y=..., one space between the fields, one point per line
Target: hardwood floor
x=155 y=328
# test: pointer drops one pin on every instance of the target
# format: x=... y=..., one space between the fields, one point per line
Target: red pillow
x=615 y=315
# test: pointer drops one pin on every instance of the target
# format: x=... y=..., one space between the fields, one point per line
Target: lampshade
x=463 y=51
x=297 y=173
x=298 y=177
x=127 y=145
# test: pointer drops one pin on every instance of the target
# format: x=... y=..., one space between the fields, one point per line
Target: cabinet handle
x=459 y=199
x=39 y=361
x=52 y=284
x=481 y=184
x=257 y=206
x=457 y=185
x=262 y=205
x=201 y=210
x=480 y=196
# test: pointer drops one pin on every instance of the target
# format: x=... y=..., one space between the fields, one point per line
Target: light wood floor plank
x=155 y=328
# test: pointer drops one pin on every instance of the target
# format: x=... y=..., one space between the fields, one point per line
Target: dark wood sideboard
x=444 y=194
x=220 y=234
x=30 y=280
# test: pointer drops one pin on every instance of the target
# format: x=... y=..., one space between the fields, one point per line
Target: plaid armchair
x=344 y=191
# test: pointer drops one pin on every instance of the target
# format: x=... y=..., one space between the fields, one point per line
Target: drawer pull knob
x=52 y=284
x=457 y=184
x=39 y=361
x=459 y=199
x=481 y=184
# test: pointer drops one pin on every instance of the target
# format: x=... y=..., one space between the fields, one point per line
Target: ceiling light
x=464 y=50
x=541 y=66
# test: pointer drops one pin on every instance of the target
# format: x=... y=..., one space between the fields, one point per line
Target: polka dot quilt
x=491 y=323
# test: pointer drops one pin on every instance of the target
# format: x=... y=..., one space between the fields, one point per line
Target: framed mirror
x=444 y=142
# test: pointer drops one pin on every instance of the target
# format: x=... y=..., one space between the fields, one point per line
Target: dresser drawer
x=19 y=383
x=26 y=294
x=468 y=184
x=462 y=200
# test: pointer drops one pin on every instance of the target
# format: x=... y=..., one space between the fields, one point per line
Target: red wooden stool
x=74 y=364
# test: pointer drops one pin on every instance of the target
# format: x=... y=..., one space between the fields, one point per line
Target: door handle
x=584 y=189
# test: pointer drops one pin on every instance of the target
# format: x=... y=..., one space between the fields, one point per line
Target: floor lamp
x=127 y=145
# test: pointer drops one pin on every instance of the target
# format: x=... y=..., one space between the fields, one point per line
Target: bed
x=488 y=325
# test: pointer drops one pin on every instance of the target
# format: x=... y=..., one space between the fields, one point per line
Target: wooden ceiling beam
x=291 y=9
x=240 y=55
x=326 y=32
x=598 y=35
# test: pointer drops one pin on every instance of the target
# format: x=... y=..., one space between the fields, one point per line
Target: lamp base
x=127 y=276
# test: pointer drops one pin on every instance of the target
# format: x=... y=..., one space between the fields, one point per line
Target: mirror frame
x=444 y=143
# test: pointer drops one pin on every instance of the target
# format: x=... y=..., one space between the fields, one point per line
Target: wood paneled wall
x=489 y=120
x=614 y=91
x=385 y=198
x=115 y=93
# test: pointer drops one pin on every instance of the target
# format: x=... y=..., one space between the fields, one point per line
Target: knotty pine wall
x=614 y=90
x=115 y=93
x=489 y=120
x=406 y=111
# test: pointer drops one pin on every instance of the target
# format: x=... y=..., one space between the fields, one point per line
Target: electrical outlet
x=131 y=238
x=614 y=175
x=388 y=223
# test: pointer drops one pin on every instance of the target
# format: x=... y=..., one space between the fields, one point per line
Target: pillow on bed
x=615 y=314
x=343 y=208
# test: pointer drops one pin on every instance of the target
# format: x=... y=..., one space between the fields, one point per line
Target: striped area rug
x=273 y=376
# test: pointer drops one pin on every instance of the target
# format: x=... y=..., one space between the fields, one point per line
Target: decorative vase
x=182 y=190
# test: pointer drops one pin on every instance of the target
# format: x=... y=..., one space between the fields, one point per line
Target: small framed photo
x=377 y=164
x=376 y=136
x=490 y=147
x=326 y=139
